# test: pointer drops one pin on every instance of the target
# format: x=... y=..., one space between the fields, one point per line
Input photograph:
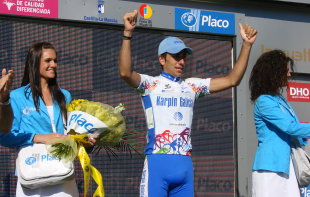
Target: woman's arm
x=279 y=117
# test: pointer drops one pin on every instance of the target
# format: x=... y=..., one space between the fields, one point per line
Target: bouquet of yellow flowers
x=88 y=119
x=97 y=118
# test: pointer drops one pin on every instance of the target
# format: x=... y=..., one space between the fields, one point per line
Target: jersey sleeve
x=201 y=87
x=147 y=84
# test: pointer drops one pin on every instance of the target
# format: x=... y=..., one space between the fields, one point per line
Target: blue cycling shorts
x=167 y=175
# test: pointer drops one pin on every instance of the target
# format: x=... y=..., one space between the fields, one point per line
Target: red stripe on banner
x=298 y=92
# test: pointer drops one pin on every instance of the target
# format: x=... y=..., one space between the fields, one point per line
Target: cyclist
x=168 y=102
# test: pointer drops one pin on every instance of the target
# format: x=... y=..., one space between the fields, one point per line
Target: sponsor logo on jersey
x=174 y=102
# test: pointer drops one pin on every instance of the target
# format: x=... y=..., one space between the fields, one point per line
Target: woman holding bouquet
x=39 y=108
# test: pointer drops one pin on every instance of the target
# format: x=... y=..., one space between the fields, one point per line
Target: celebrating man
x=168 y=169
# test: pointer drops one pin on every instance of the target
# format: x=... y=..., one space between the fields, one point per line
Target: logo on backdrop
x=146 y=11
x=100 y=6
x=8 y=4
x=298 y=92
x=188 y=19
x=204 y=21
x=39 y=8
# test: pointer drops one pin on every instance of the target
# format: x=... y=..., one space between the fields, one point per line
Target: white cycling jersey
x=168 y=103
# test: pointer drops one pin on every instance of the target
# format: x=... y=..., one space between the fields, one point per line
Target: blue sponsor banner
x=204 y=21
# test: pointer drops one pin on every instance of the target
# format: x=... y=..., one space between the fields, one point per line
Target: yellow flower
x=109 y=115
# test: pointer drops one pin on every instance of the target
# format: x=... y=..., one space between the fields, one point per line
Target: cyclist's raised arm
x=125 y=70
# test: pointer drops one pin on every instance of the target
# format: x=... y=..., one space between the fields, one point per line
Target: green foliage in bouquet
x=63 y=148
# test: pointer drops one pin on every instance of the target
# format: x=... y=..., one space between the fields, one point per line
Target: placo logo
x=204 y=21
x=213 y=22
x=305 y=191
x=146 y=11
x=188 y=19
x=30 y=160
x=178 y=116
x=82 y=122
x=48 y=157
x=28 y=110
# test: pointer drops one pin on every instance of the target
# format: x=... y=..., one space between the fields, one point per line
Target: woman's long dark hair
x=269 y=73
x=32 y=76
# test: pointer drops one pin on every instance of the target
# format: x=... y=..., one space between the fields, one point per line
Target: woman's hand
x=44 y=138
x=5 y=84
x=92 y=140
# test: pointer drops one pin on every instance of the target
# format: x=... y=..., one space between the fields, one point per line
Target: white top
x=50 y=111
